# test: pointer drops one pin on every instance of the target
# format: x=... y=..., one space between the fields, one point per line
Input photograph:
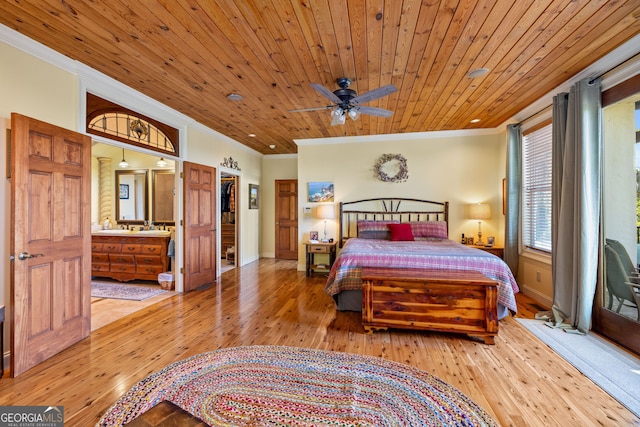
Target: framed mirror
x=131 y=193
x=163 y=195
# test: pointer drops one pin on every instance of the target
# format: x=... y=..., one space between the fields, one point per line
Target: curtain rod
x=620 y=69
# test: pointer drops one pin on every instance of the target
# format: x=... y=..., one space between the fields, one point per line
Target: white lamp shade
x=479 y=211
x=326 y=212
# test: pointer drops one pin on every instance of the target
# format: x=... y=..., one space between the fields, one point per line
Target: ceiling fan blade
x=374 y=94
x=373 y=111
x=300 y=110
x=326 y=93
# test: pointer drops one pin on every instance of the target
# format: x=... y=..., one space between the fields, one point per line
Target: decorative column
x=106 y=189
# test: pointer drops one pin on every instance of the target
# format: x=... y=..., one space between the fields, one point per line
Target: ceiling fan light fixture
x=338 y=117
x=347 y=102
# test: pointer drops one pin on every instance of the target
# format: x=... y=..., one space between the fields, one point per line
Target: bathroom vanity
x=126 y=255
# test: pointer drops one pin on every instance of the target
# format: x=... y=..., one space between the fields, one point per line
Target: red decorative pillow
x=401 y=232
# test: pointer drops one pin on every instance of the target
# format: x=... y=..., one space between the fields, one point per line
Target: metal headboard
x=388 y=208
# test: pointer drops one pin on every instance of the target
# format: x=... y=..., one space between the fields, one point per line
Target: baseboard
x=537 y=295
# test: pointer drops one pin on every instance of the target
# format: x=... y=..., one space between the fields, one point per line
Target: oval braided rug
x=288 y=386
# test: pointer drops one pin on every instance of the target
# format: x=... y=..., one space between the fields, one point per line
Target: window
x=113 y=121
x=536 y=180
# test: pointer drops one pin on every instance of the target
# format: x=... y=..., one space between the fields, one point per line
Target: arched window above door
x=113 y=121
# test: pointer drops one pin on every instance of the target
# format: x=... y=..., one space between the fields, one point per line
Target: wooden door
x=199 y=225
x=51 y=240
x=287 y=219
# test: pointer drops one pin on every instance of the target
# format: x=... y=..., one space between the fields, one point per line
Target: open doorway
x=141 y=196
x=228 y=222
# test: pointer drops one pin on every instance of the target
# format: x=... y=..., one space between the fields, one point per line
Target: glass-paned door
x=617 y=312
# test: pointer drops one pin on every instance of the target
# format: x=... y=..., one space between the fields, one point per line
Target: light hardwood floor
x=519 y=380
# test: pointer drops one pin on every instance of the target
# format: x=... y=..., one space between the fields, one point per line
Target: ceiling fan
x=346 y=102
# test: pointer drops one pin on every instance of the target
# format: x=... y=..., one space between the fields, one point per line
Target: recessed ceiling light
x=478 y=72
x=234 y=97
x=475 y=121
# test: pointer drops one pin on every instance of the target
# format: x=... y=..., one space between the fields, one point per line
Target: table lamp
x=325 y=212
x=479 y=211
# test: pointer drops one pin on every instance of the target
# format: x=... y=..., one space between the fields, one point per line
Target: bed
x=366 y=228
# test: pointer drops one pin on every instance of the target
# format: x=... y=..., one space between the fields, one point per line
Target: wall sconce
x=162 y=162
x=123 y=163
x=325 y=212
x=480 y=211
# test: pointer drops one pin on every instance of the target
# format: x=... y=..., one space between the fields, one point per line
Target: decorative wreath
x=387 y=161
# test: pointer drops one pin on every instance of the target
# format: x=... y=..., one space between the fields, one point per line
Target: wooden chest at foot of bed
x=437 y=300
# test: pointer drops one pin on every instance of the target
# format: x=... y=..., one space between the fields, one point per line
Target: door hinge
x=181 y=223
x=181 y=270
x=181 y=174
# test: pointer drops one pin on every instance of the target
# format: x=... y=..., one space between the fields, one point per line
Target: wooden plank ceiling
x=191 y=54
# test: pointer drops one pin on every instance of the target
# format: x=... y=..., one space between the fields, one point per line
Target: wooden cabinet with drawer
x=126 y=258
x=328 y=249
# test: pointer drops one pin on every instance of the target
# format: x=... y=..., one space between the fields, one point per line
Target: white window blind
x=536 y=171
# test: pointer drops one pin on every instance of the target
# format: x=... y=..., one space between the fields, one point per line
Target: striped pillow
x=429 y=229
x=368 y=229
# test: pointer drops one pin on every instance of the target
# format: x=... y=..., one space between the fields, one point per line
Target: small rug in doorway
x=613 y=369
x=277 y=385
x=123 y=291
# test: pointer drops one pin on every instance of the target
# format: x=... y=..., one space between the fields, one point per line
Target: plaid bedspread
x=432 y=254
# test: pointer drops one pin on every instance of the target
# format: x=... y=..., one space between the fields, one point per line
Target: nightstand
x=496 y=250
x=320 y=248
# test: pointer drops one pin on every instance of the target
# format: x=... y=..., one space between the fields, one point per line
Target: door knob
x=26 y=255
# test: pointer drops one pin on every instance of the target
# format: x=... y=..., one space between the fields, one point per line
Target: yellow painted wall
x=535 y=278
x=457 y=167
x=274 y=167
x=204 y=147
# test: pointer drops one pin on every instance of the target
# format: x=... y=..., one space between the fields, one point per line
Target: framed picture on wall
x=124 y=191
x=320 y=191
x=254 y=196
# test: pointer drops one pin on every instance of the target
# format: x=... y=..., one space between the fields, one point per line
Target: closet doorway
x=229 y=219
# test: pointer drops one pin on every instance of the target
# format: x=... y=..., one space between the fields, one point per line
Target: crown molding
x=280 y=156
x=399 y=136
